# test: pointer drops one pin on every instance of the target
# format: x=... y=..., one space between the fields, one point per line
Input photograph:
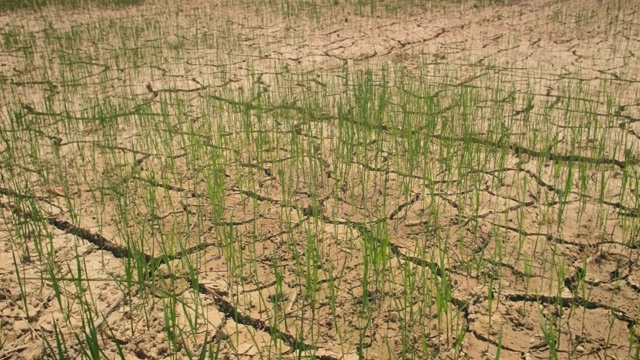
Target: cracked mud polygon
x=321 y=180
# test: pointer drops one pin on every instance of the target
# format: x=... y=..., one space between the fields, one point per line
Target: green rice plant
x=359 y=205
x=13 y=5
x=59 y=349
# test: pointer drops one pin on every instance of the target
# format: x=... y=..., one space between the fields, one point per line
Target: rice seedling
x=318 y=179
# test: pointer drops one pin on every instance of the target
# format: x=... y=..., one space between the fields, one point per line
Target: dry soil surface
x=253 y=304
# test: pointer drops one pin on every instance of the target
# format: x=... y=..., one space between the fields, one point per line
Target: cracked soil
x=187 y=178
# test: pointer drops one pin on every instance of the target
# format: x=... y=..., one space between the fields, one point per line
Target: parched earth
x=191 y=179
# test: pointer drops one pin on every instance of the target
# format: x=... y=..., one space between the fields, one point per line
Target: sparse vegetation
x=322 y=179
